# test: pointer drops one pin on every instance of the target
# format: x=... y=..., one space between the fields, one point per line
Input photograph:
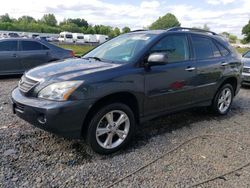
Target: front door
x=9 y=58
x=170 y=86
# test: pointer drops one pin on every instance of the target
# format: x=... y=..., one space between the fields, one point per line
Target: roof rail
x=138 y=30
x=191 y=29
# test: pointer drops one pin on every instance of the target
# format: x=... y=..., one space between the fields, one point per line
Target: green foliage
x=126 y=30
x=6 y=18
x=246 y=32
x=78 y=21
x=49 y=19
x=165 y=22
x=232 y=38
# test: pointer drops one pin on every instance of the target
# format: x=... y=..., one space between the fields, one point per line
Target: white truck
x=78 y=38
x=101 y=38
x=65 y=37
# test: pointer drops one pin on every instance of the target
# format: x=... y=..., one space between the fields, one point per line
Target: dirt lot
x=30 y=157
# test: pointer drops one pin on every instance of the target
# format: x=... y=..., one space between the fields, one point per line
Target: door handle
x=190 y=68
x=224 y=64
x=14 y=55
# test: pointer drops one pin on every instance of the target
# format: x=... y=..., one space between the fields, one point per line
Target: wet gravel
x=30 y=157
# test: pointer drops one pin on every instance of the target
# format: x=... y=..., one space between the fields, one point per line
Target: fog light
x=42 y=119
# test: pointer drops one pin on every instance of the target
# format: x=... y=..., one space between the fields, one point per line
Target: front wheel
x=223 y=100
x=111 y=128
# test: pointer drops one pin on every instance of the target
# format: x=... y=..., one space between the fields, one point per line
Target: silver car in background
x=18 y=55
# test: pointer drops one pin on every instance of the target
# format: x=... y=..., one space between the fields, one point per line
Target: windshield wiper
x=95 y=58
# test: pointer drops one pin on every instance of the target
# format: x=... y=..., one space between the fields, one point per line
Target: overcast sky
x=220 y=15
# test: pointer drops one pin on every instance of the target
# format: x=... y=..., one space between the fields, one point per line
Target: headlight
x=59 y=91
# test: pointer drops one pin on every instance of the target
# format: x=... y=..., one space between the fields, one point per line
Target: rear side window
x=176 y=46
x=68 y=36
x=204 y=48
x=8 y=46
x=32 y=46
x=223 y=50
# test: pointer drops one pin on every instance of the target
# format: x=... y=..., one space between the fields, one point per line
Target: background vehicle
x=19 y=55
x=128 y=80
x=66 y=37
x=90 y=38
x=101 y=38
x=246 y=69
x=78 y=38
x=13 y=35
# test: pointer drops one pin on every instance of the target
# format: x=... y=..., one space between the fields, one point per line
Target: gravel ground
x=30 y=157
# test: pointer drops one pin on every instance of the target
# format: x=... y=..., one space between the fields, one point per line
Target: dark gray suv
x=128 y=80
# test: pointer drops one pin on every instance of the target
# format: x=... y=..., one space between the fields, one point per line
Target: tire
x=106 y=134
x=223 y=100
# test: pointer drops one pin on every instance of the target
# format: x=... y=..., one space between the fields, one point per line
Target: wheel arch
x=123 y=97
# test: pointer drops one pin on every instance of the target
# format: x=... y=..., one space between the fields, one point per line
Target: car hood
x=69 y=69
x=246 y=61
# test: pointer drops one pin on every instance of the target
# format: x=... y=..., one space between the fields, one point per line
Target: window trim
x=217 y=43
x=209 y=38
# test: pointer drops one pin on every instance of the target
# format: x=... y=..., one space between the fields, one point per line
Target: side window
x=204 y=48
x=8 y=46
x=223 y=50
x=176 y=46
x=44 y=47
x=30 y=46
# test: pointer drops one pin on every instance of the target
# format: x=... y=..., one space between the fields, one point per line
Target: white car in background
x=78 y=38
x=66 y=37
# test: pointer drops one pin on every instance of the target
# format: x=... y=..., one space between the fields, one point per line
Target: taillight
x=72 y=53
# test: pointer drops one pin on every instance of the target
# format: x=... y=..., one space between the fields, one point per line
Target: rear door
x=170 y=86
x=9 y=57
x=209 y=65
x=33 y=53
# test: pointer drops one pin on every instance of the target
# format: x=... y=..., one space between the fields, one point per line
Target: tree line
x=49 y=24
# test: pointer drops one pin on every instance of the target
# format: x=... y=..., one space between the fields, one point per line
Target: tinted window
x=204 y=48
x=80 y=37
x=223 y=50
x=68 y=36
x=176 y=46
x=8 y=46
x=32 y=45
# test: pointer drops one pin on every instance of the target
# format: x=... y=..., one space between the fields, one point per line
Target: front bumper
x=245 y=78
x=62 y=118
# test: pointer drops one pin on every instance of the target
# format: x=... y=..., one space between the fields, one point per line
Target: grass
x=82 y=49
x=77 y=49
x=242 y=50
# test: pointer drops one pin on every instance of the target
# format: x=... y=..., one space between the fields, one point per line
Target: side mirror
x=157 y=58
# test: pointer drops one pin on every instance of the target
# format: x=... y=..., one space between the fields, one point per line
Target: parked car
x=13 y=35
x=78 y=38
x=246 y=69
x=128 y=80
x=19 y=55
x=66 y=37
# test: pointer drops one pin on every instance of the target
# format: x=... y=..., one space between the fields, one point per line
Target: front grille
x=246 y=70
x=26 y=84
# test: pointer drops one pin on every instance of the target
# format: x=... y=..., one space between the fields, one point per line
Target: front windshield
x=121 y=49
x=247 y=55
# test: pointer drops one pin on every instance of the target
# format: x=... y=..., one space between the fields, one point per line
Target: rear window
x=80 y=37
x=8 y=46
x=204 y=48
x=32 y=46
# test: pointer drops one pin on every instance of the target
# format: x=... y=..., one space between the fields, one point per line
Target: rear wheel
x=223 y=100
x=111 y=128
